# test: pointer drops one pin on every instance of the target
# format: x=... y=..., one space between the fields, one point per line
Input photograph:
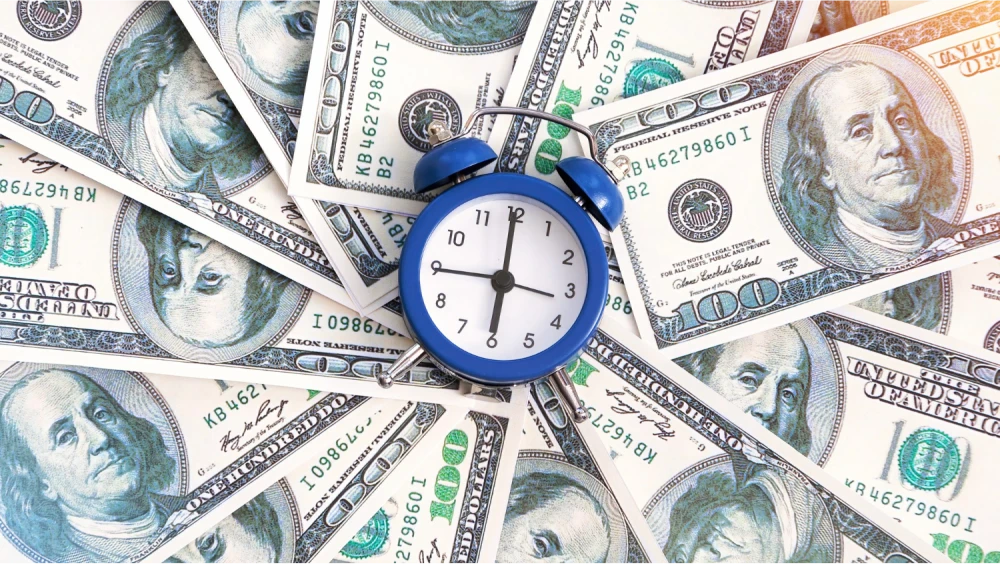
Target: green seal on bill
x=23 y=236
x=370 y=539
x=649 y=74
x=929 y=459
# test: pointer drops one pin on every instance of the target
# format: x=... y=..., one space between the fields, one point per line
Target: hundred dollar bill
x=112 y=466
x=119 y=92
x=567 y=501
x=381 y=73
x=579 y=55
x=904 y=417
x=838 y=15
x=106 y=281
x=260 y=52
x=713 y=485
x=303 y=516
x=963 y=303
x=812 y=178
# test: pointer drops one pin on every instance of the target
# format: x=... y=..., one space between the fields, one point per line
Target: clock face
x=503 y=277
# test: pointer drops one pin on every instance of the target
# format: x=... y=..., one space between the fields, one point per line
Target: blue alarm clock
x=503 y=277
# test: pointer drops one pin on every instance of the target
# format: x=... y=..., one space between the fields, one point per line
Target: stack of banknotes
x=202 y=209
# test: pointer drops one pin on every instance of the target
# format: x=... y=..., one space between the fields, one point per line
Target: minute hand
x=498 y=303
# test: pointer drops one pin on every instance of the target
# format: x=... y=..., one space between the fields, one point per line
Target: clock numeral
x=557 y=322
x=464 y=321
x=570 y=290
x=484 y=215
x=492 y=341
x=435 y=267
x=456 y=238
x=569 y=257
x=529 y=340
x=515 y=213
x=548 y=228
x=440 y=303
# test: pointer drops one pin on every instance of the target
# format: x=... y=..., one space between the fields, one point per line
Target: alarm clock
x=503 y=277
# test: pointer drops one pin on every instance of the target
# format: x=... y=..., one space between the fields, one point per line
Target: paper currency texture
x=825 y=173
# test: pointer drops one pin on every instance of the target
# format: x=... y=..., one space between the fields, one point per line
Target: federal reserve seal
x=929 y=459
x=650 y=74
x=49 y=20
x=699 y=210
x=420 y=109
x=370 y=540
x=23 y=236
x=992 y=341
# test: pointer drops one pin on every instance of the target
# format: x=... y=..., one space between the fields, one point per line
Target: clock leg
x=405 y=361
x=570 y=397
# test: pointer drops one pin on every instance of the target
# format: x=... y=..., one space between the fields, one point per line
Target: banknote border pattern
x=908 y=349
x=320 y=171
x=848 y=521
x=517 y=123
x=370 y=268
x=319 y=533
x=484 y=423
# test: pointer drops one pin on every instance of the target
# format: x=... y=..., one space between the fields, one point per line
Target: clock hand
x=436 y=267
x=505 y=273
x=510 y=240
x=497 y=306
x=534 y=290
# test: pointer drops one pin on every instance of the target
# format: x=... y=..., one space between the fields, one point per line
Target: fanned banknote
x=120 y=93
x=366 y=110
x=838 y=15
x=312 y=512
x=106 y=281
x=713 y=485
x=817 y=176
x=112 y=466
x=611 y=50
x=567 y=501
x=580 y=55
x=906 y=418
x=260 y=52
x=963 y=303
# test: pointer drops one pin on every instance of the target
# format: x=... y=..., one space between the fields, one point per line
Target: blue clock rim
x=473 y=367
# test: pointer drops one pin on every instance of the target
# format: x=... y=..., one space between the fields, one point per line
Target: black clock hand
x=497 y=306
x=534 y=290
x=436 y=267
x=510 y=240
x=498 y=303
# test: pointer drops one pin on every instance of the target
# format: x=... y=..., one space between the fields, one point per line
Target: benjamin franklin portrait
x=771 y=517
x=831 y=17
x=79 y=473
x=865 y=178
x=206 y=294
x=171 y=121
x=919 y=303
x=462 y=24
x=552 y=516
x=766 y=375
x=272 y=40
x=251 y=534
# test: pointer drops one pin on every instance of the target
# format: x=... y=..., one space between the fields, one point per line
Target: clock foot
x=405 y=361
x=570 y=397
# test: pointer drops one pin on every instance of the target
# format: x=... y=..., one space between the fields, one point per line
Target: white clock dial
x=495 y=312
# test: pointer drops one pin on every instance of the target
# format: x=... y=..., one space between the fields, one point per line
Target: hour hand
x=497 y=307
